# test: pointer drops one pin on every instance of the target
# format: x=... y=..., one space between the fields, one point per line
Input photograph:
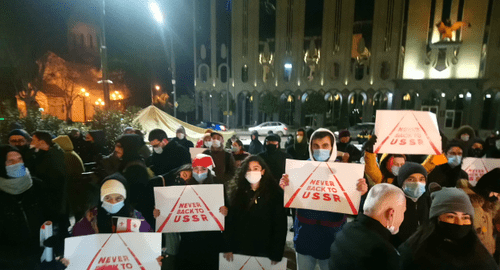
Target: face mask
x=321 y=154
x=208 y=144
x=253 y=177
x=493 y=199
x=113 y=208
x=299 y=139
x=414 y=189
x=235 y=149
x=16 y=170
x=465 y=137
x=271 y=147
x=395 y=170
x=200 y=177
x=454 y=231
x=454 y=161
x=158 y=149
x=180 y=136
x=16 y=186
x=477 y=152
x=216 y=143
x=392 y=229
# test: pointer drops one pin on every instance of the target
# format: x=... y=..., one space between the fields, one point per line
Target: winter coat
x=380 y=174
x=184 y=142
x=470 y=151
x=443 y=254
x=299 y=151
x=260 y=230
x=239 y=157
x=74 y=164
x=483 y=216
x=50 y=167
x=225 y=166
x=354 y=153
x=276 y=160
x=363 y=244
x=416 y=214
x=22 y=216
x=446 y=176
x=172 y=157
x=255 y=146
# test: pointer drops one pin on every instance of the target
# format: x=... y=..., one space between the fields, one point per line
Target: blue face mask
x=113 y=208
x=454 y=161
x=16 y=170
x=321 y=154
x=414 y=189
x=200 y=177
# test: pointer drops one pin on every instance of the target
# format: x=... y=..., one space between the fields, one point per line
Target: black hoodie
x=255 y=147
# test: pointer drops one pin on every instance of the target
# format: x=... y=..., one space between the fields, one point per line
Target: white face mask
x=180 y=136
x=253 y=177
x=208 y=144
x=113 y=208
x=395 y=170
x=392 y=229
x=158 y=149
x=216 y=143
x=465 y=137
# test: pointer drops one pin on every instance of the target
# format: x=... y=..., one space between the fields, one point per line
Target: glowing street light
x=157 y=87
x=155 y=9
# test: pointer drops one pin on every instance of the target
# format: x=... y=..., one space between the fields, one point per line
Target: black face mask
x=271 y=148
x=453 y=231
x=492 y=199
x=477 y=152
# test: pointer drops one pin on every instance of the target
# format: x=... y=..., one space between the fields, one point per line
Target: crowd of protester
x=416 y=212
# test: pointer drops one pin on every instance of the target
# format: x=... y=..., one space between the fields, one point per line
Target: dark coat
x=446 y=176
x=225 y=165
x=443 y=254
x=299 y=151
x=276 y=160
x=255 y=146
x=184 y=142
x=172 y=157
x=354 y=153
x=260 y=230
x=416 y=214
x=22 y=216
x=363 y=244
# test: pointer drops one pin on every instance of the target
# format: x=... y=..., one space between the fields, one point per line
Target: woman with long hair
x=449 y=240
x=256 y=224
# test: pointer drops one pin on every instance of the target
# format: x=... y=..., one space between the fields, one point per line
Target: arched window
x=223 y=73
x=431 y=103
x=408 y=101
x=356 y=104
x=334 y=102
x=488 y=117
x=385 y=70
x=244 y=73
x=288 y=104
x=204 y=73
x=287 y=72
x=454 y=111
x=380 y=102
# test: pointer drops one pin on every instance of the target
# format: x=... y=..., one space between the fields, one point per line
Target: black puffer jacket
x=446 y=176
x=255 y=146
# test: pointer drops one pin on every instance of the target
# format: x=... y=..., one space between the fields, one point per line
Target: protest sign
x=243 y=262
x=195 y=151
x=113 y=251
x=124 y=224
x=324 y=186
x=407 y=132
x=477 y=167
x=189 y=208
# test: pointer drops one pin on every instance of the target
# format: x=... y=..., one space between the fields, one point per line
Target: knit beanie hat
x=408 y=169
x=114 y=183
x=490 y=182
x=20 y=132
x=449 y=200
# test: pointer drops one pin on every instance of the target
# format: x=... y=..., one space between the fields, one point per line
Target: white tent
x=151 y=118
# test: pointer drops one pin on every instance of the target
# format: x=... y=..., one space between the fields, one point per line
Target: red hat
x=204 y=161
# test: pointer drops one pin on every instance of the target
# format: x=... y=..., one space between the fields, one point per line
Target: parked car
x=276 y=127
x=357 y=129
x=213 y=126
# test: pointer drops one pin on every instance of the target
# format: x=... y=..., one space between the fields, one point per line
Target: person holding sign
x=447 y=175
x=256 y=221
x=448 y=241
x=315 y=230
x=365 y=242
x=114 y=203
x=412 y=179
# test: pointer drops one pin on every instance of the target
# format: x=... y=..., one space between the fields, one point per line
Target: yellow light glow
x=113 y=95
x=116 y=92
x=407 y=97
x=120 y=96
x=157 y=87
x=97 y=103
x=251 y=98
x=99 y=99
x=86 y=94
x=83 y=90
x=102 y=103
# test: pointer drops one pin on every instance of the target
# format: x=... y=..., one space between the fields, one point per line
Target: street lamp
x=210 y=106
x=158 y=16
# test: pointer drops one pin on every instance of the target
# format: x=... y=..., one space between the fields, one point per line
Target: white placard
x=324 y=186
x=477 y=167
x=104 y=251
x=407 y=132
x=189 y=208
x=195 y=151
x=243 y=262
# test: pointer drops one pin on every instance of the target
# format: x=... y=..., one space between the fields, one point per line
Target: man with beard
x=20 y=139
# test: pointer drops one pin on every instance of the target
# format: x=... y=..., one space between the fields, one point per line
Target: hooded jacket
x=74 y=164
x=93 y=151
x=255 y=147
x=275 y=159
x=172 y=157
x=446 y=176
x=184 y=142
x=298 y=150
x=22 y=216
x=315 y=230
x=465 y=144
x=474 y=153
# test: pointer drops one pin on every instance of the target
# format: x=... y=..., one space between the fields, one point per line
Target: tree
x=269 y=104
x=185 y=105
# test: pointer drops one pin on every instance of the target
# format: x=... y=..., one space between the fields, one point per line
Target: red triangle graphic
x=353 y=208
x=287 y=205
x=113 y=267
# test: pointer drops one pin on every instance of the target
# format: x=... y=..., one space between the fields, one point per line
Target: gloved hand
x=370 y=143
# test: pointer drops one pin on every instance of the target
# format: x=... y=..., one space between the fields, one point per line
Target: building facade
x=359 y=55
